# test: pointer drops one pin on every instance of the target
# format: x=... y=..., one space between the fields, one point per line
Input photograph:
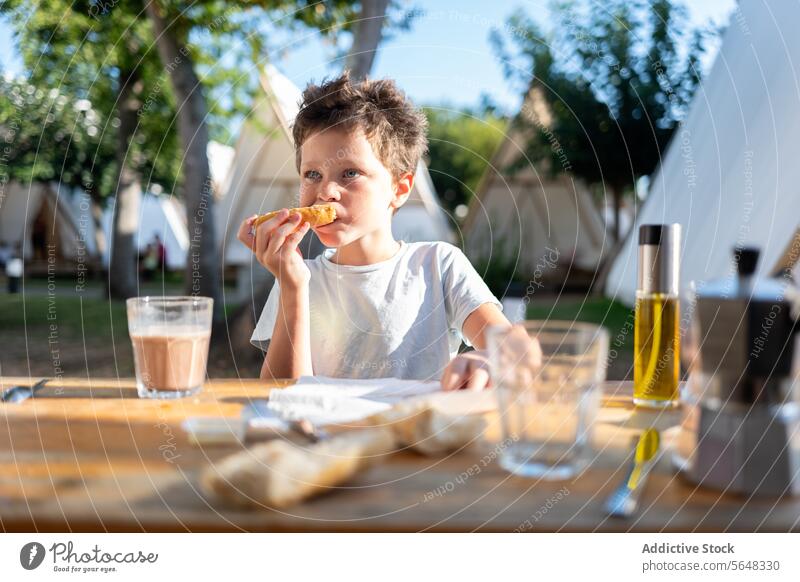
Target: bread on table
x=418 y=426
x=279 y=473
x=317 y=215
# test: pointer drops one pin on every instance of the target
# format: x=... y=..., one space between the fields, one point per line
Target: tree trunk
x=122 y=266
x=203 y=260
x=366 y=38
x=100 y=241
x=616 y=193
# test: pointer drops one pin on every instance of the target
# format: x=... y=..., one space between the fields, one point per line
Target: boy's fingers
x=245 y=234
x=261 y=241
x=293 y=240
x=448 y=379
x=454 y=375
x=478 y=380
x=272 y=223
x=265 y=229
x=446 y=375
x=279 y=235
x=536 y=353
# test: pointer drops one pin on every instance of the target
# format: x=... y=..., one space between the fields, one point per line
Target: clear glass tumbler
x=170 y=337
x=548 y=394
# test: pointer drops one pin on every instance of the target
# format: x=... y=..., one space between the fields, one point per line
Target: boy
x=369 y=306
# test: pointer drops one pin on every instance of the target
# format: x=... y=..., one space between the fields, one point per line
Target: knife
x=256 y=421
x=18 y=394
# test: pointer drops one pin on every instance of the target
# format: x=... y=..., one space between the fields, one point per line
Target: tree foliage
x=460 y=145
x=48 y=136
x=73 y=52
x=617 y=78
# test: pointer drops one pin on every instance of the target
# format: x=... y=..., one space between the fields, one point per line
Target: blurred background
x=136 y=135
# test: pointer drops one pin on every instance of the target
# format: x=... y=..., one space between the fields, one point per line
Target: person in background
x=14 y=269
x=5 y=254
x=161 y=252
x=149 y=262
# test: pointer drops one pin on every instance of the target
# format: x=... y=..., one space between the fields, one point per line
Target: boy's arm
x=477 y=322
x=470 y=370
x=289 y=352
x=274 y=242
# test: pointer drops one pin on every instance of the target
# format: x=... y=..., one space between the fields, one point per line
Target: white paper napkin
x=324 y=400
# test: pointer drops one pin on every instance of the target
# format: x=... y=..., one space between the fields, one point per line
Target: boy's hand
x=469 y=371
x=274 y=244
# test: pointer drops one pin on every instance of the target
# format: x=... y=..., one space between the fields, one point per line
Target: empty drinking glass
x=548 y=394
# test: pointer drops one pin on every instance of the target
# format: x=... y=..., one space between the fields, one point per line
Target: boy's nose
x=330 y=192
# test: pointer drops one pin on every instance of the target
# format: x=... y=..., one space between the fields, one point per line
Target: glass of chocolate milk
x=170 y=337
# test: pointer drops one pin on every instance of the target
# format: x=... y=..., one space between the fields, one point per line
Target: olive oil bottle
x=656 y=357
x=657 y=342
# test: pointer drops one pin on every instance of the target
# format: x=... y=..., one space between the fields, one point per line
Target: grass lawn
x=614 y=316
x=88 y=336
x=68 y=334
x=74 y=317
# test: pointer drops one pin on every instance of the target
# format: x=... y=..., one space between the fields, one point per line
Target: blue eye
x=351 y=174
x=312 y=175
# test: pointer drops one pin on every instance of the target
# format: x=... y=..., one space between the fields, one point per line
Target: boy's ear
x=402 y=190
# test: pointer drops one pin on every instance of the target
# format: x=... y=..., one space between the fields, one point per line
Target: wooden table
x=74 y=463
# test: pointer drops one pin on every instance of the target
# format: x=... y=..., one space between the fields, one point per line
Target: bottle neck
x=658 y=269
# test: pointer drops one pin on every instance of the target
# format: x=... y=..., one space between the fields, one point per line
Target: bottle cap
x=746 y=259
x=659 y=258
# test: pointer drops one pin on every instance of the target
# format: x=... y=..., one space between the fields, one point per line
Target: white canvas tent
x=39 y=214
x=165 y=215
x=162 y=215
x=527 y=216
x=731 y=173
x=262 y=175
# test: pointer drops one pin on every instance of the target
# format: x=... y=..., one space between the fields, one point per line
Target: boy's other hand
x=469 y=371
x=274 y=243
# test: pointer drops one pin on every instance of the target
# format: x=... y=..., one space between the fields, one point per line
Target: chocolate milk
x=171 y=359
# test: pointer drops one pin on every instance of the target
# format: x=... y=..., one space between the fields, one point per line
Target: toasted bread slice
x=318 y=215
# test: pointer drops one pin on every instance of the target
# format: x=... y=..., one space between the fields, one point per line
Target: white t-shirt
x=399 y=318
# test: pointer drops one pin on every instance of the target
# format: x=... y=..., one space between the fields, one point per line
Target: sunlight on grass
x=614 y=316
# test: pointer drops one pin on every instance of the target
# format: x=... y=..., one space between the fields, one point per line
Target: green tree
x=616 y=79
x=460 y=145
x=377 y=20
x=189 y=60
x=47 y=136
x=81 y=53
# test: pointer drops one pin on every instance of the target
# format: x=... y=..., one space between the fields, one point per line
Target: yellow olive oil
x=656 y=357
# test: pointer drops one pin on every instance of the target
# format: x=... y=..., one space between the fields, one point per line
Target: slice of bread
x=318 y=215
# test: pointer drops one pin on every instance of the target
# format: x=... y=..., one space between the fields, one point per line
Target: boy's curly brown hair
x=394 y=127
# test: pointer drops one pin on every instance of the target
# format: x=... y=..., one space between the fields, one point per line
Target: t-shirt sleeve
x=266 y=323
x=464 y=290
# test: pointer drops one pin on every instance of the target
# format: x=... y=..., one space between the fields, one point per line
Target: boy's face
x=339 y=167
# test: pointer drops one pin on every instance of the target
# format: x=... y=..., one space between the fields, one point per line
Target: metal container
x=741 y=424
